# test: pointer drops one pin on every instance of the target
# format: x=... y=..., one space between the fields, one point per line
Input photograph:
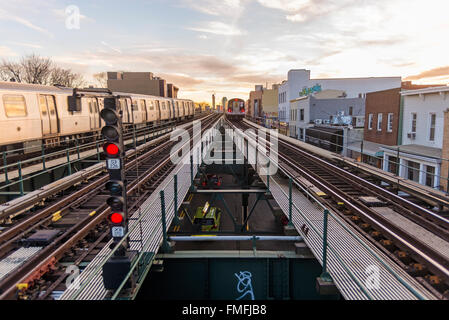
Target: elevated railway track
x=414 y=237
x=69 y=223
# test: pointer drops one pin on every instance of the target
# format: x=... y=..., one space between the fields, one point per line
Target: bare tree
x=66 y=78
x=4 y=76
x=38 y=70
x=101 y=79
x=12 y=70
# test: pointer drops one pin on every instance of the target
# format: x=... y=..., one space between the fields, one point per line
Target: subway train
x=235 y=109
x=34 y=115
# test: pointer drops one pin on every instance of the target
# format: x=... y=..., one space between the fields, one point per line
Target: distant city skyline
x=228 y=46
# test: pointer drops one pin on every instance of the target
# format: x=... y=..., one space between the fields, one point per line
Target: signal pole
x=117 y=267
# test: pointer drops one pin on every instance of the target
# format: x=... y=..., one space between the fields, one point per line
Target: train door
x=130 y=110
x=94 y=117
x=135 y=111
x=170 y=111
x=49 y=115
x=124 y=107
x=143 y=110
x=96 y=113
x=158 y=110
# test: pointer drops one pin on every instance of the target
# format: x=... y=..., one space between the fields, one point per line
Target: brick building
x=255 y=102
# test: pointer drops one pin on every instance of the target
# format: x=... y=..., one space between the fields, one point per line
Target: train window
x=142 y=105
x=43 y=105
x=134 y=106
x=163 y=105
x=51 y=105
x=151 y=104
x=95 y=104
x=15 y=106
x=89 y=101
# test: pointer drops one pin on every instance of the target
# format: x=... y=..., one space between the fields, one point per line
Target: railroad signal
x=114 y=152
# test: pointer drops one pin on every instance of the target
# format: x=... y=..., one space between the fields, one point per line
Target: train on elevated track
x=235 y=109
x=34 y=115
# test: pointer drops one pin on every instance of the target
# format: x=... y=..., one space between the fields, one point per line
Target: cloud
x=261 y=78
x=183 y=81
x=217 y=27
x=216 y=8
x=8 y=16
x=6 y=52
x=110 y=47
x=29 y=45
x=432 y=73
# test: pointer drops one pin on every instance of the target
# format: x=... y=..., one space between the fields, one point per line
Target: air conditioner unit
x=411 y=135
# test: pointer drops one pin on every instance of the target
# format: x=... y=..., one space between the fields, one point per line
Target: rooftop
x=425 y=91
x=417 y=150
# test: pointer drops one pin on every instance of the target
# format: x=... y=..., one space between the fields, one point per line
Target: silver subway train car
x=32 y=115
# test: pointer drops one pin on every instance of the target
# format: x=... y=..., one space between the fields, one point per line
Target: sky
x=228 y=46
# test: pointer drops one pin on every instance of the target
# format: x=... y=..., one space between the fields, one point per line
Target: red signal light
x=111 y=149
x=229 y=110
x=116 y=218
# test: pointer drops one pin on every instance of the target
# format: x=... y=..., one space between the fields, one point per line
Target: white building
x=299 y=84
x=422 y=136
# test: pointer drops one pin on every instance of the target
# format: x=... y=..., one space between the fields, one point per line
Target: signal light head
x=111 y=149
x=110 y=133
x=109 y=116
x=116 y=218
x=115 y=187
x=116 y=203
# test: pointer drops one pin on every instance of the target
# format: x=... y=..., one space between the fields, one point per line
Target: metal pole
x=361 y=152
x=268 y=176
x=165 y=245
x=98 y=152
x=398 y=164
x=175 y=186
x=5 y=165
x=69 y=168
x=19 y=164
x=191 y=172
x=325 y=275
x=134 y=136
x=43 y=157
x=78 y=148
x=290 y=201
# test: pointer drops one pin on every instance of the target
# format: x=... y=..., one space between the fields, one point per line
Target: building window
x=413 y=171
x=390 y=122
x=413 y=124
x=301 y=114
x=351 y=109
x=15 y=106
x=430 y=176
x=379 y=122
x=301 y=133
x=433 y=120
x=370 y=121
